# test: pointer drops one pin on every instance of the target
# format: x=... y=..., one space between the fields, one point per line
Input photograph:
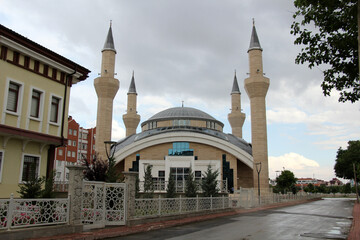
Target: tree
x=191 y=186
x=209 y=183
x=32 y=187
x=309 y=188
x=286 y=181
x=48 y=191
x=111 y=174
x=95 y=171
x=333 y=45
x=148 y=183
x=171 y=189
x=345 y=159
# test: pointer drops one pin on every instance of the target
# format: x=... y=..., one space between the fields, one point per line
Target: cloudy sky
x=188 y=50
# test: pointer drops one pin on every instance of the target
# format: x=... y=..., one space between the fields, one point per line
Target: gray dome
x=182 y=113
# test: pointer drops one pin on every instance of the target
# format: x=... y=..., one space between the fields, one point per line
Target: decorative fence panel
x=20 y=213
x=103 y=204
x=173 y=206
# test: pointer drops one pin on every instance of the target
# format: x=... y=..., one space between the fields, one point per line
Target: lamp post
x=258 y=170
x=109 y=145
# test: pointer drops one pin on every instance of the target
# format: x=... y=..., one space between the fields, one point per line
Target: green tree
x=309 y=188
x=191 y=186
x=48 y=191
x=286 y=181
x=171 y=189
x=346 y=188
x=209 y=183
x=95 y=171
x=148 y=183
x=333 y=45
x=111 y=175
x=32 y=187
x=345 y=159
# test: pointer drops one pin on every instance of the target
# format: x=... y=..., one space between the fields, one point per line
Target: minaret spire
x=131 y=118
x=109 y=41
x=254 y=42
x=106 y=87
x=256 y=86
x=236 y=117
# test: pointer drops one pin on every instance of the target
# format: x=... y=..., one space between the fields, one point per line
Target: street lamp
x=109 y=145
x=258 y=170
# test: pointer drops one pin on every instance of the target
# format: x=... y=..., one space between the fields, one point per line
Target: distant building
x=35 y=87
x=335 y=182
x=80 y=146
x=303 y=182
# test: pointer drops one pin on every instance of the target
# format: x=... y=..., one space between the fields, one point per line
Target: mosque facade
x=178 y=140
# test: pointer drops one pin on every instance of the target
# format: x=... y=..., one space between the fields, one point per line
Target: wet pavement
x=324 y=219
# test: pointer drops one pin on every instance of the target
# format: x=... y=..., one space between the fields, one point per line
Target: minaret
x=256 y=86
x=106 y=87
x=236 y=117
x=131 y=118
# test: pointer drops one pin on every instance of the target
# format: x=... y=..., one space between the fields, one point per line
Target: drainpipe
x=50 y=165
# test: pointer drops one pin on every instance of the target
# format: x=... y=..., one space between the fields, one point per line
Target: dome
x=182 y=113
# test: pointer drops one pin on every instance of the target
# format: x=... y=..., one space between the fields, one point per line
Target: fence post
x=197 y=203
x=75 y=192
x=130 y=181
x=10 y=211
x=211 y=207
x=159 y=211
x=180 y=204
x=223 y=200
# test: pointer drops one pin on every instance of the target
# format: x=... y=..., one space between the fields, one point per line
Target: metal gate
x=103 y=204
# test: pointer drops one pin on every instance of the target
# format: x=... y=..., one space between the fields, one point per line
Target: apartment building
x=35 y=87
x=80 y=146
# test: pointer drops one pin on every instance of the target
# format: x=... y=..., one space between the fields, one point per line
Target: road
x=324 y=219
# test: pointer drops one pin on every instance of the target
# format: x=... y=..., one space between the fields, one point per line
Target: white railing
x=248 y=197
x=161 y=186
x=151 y=207
x=17 y=213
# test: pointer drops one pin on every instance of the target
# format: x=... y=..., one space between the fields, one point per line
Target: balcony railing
x=161 y=186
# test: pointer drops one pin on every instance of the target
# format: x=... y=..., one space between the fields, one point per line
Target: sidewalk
x=354 y=233
x=126 y=230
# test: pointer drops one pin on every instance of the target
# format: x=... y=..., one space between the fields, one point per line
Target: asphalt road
x=324 y=219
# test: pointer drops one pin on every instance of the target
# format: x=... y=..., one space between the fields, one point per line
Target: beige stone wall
x=245 y=177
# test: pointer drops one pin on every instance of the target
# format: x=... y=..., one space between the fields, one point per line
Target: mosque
x=176 y=139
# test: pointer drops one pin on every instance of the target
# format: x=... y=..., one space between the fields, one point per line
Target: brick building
x=80 y=146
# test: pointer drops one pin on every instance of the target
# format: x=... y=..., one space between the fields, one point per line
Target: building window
x=84 y=136
x=36 y=66
x=59 y=163
x=60 y=152
x=67 y=176
x=152 y=125
x=73 y=154
x=58 y=175
x=35 y=104
x=181 y=149
x=27 y=62
x=1 y=164
x=46 y=70
x=30 y=169
x=54 y=112
x=69 y=154
x=181 y=122
x=180 y=175
x=3 y=52
x=74 y=143
x=75 y=132
x=69 y=142
x=210 y=125
x=13 y=97
x=70 y=131
x=54 y=73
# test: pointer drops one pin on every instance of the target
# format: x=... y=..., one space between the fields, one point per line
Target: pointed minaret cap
x=254 y=42
x=109 y=42
x=235 y=88
x=132 y=88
